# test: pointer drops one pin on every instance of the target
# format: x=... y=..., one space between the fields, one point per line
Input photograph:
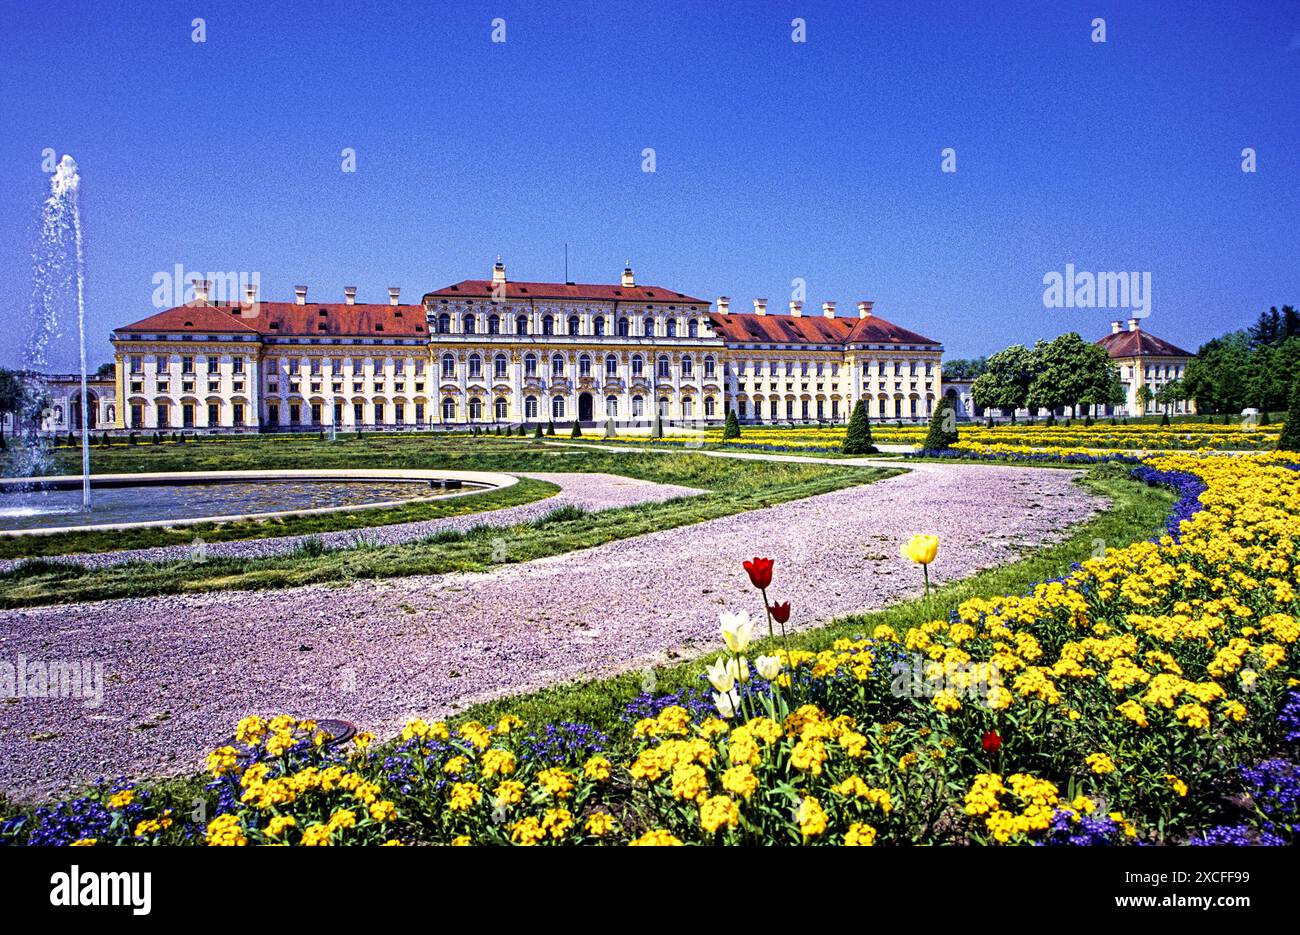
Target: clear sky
x=775 y=160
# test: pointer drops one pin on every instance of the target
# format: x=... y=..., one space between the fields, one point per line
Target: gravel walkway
x=180 y=670
x=588 y=491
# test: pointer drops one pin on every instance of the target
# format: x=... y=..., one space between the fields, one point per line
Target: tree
x=857 y=440
x=943 y=427
x=577 y=430
x=732 y=427
x=1144 y=398
x=964 y=369
x=1069 y=371
x=1172 y=392
x=1289 y=440
x=1005 y=382
x=538 y=432
x=11 y=398
x=550 y=428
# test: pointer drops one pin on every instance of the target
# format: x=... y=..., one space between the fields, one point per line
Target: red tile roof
x=749 y=328
x=1140 y=344
x=517 y=291
x=290 y=318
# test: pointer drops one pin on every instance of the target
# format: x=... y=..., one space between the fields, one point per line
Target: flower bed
x=1147 y=696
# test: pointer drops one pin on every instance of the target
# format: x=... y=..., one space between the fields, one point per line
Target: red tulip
x=760 y=572
x=780 y=612
x=991 y=742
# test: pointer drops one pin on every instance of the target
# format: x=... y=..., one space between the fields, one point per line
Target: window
x=530 y=365
x=399 y=366
x=649 y=327
x=521 y=324
x=448 y=365
x=272 y=414
x=449 y=410
x=419 y=413
x=469 y=324
x=494 y=324
x=338 y=413
x=693 y=328
x=557 y=365
x=137 y=364
x=688 y=408
x=638 y=365
x=741 y=409
x=638 y=406
x=664 y=368
x=379 y=413
x=295 y=413
x=444 y=323
x=358 y=416
x=709 y=367
x=663 y=407
x=237 y=365
x=502 y=408
x=557 y=407
x=530 y=407
x=499 y=366
x=475 y=367
x=315 y=413
x=611 y=406
x=137 y=415
x=710 y=407
x=623 y=328
x=611 y=365
x=584 y=366
x=573 y=324
x=672 y=327
x=598 y=326
x=187 y=365
x=688 y=367
x=399 y=413
x=548 y=325
x=475 y=410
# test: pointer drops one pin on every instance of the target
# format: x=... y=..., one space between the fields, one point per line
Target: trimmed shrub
x=550 y=428
x=732 y=427
x=576 y=431
x=943 y=427
x=1289 y=440
x=857 y=440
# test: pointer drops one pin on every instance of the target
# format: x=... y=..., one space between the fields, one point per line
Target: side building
x=1145 y=360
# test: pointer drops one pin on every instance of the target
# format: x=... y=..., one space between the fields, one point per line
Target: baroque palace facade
x=497 y=351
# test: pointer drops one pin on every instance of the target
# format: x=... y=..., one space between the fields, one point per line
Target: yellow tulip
x=921 y=548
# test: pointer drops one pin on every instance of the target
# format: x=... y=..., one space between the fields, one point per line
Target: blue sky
x=775 y=160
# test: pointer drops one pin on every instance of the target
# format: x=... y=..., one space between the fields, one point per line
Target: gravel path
x=180 y=670
x=588 y=491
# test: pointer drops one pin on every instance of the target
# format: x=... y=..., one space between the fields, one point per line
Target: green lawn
x=732 y=487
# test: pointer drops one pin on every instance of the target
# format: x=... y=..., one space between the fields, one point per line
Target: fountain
x=58 y=281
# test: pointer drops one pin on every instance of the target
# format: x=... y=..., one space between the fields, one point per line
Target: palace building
x=1145 y=360
x=499 y=351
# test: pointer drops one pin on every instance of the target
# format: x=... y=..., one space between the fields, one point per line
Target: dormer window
x=379 y=326
x=323 y=312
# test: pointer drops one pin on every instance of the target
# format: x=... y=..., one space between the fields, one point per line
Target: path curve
x=590 y=491
x=181 y=670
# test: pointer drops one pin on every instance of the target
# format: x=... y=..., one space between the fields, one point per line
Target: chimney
x=250 y=293
x=498 y=272
x=300 y=292
x=201 y=287
x=864 y=309
x=350 y=295
x=760 y=306
x=1116 y=327
x=628 y=279
x=828 y=309
x=1133 y=325
x=393 y=293
x=796 y=308
x=724 y=305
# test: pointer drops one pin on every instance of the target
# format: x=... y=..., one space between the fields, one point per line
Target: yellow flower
x=860 y=835
x=225 y=831
x=811 y=817
x=719 y=811
x=383 y=811
x=1100 y=763
x=597 y=768
x=740 y=780
x=223 y=760
x=921 y=548
x=122 y=799
x=509 y=792
x=1179 y=787
x=279 y=825
x=600 y=824
x=497 y=761
x=464 y=796
x=556 y=781
x=656 y=838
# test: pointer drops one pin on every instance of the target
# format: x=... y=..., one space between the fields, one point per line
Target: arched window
x=557 y=365
x=664 y=368
x=499 y=366
x=638 y=407
x=530 y=365
x=548 y=325
x=688 y=367
x=475 y=410
x=530 y=407
x=475 y=367
x=688 y=408
x=449 y=410
x=521 y=324
x=710 y=407
x=740 y=409
x=638 y=365
x=584 y=366
x=502 y=408
x=649 y=328
x=444 y=323
x=623 y=329
x=448 y=365
x=611 y=365
x=671 y=326
x=611 y=406
x=469 y=324
x=557 y=407
x=494 y=324
x=693 y=328
x=663 y=407
x=598 y=326
x=709 y=367
x=574 y=324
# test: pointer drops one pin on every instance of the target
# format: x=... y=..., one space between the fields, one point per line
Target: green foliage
x=1004 y=384
x=943 y=427
x=857 y=440
x=550 y=428
x=732 y=427
x=965 y=369
x=576 y=431
x=1289 y=440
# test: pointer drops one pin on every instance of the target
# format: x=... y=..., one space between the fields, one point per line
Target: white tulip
x=726 y=703
x=768 y=666
x=737 y=630
x=738 y=669
x=719 y=677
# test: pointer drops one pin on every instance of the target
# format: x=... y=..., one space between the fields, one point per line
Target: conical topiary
x=857 y=440
x=538 y=432
x=732 y=427
x=1289 y=440
x=550 y=428
x=576 y=432
x=943 y=427
x=610 y=430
